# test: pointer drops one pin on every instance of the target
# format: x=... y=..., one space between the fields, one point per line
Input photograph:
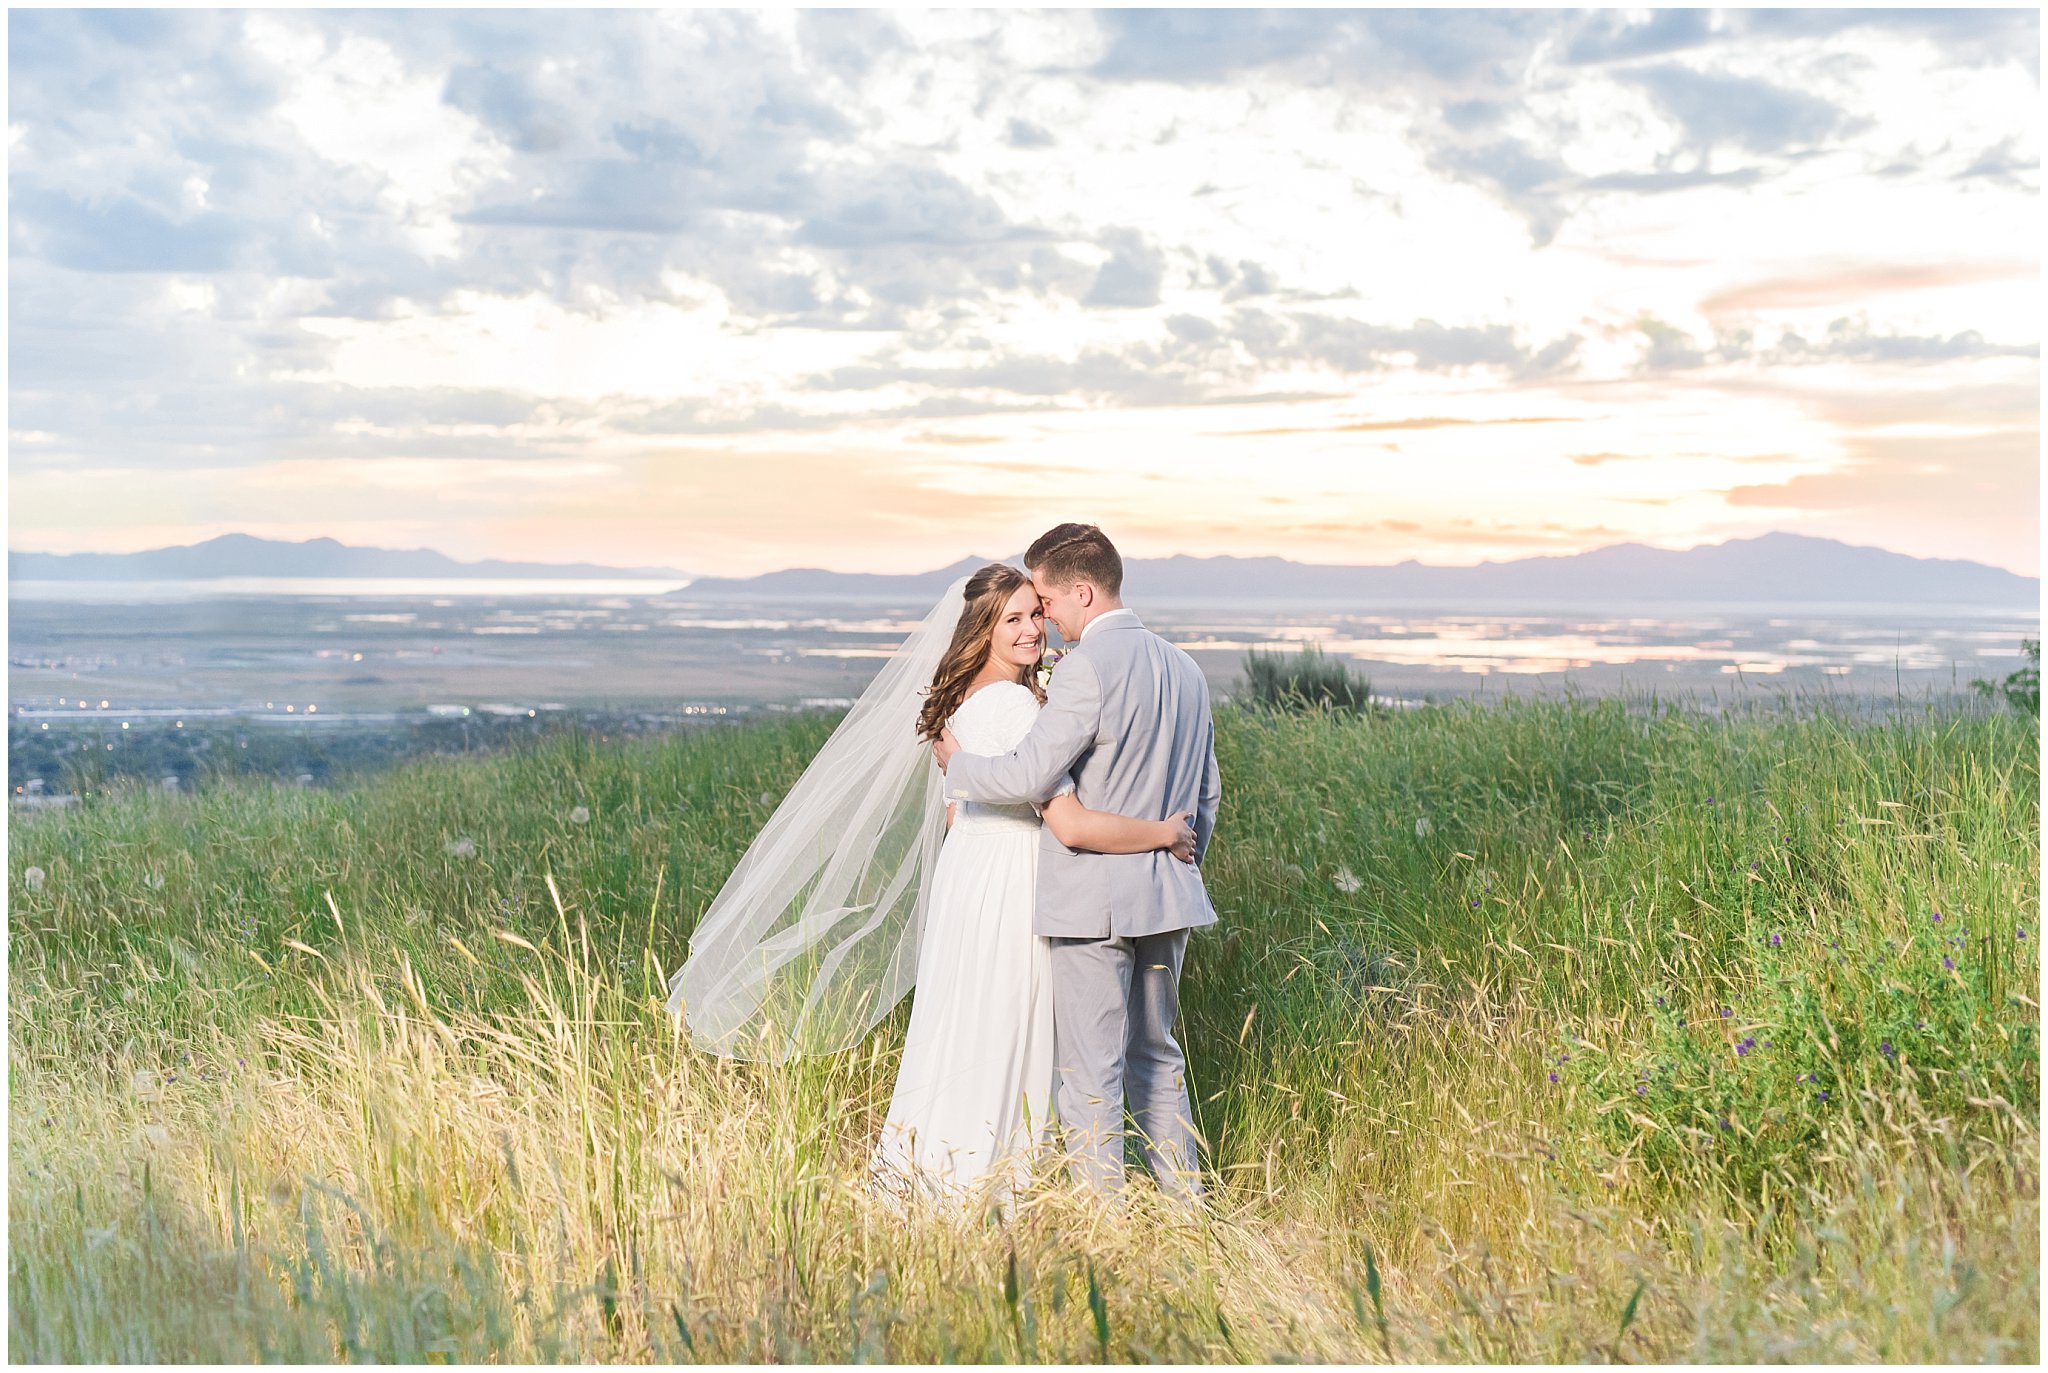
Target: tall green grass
x=1552 y=1030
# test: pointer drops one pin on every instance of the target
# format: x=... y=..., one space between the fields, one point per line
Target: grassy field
x=1539 y=1031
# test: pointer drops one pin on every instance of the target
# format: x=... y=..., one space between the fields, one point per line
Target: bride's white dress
x=976 y=1079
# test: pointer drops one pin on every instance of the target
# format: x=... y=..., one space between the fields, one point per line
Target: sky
x=728 y=291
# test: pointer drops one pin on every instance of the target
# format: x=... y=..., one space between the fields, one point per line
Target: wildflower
x=1822 y=1095
x=580 y=815
x=1710 y=800
x=1660 y=1001
x=1553 y=1074
x=1423 y=827
x=1725 y=1124
x=33 y=879
x=1776 y=939
x=1947 y=963
x=2023 y=932
x=461 y=848
x=1885 y=1047
x=1475 y=906
x=1937 y=917
x=1744 y=1045
x=1346 y=881
x=1642 y=1087
x=1726 y=1012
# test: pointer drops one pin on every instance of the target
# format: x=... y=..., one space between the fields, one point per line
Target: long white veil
x=814 y=937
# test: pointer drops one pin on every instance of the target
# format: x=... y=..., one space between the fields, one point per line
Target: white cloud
x=559 y=241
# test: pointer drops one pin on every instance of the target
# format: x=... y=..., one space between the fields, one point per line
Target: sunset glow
x=729 y=291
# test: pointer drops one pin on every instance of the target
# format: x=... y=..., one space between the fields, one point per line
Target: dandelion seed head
x=579 y=815
x=461 y=848
x=1346 y=881
x=33 y=879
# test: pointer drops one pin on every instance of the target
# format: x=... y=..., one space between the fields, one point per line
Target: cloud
x=1858 y=282
x=841 y=224
x=1132 y=276
x=1854 y=340
x=1961 y=486
x=1391 y=426
x=1608 y=36
x=1754 y=115
x=1022 y=133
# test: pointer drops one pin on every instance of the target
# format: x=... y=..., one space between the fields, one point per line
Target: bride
x=864 y=880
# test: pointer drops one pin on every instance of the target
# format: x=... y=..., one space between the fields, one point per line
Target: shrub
x=2022 y=689
x=1304 y=681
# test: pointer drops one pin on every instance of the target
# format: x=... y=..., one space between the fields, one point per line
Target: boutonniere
x=1047 y=664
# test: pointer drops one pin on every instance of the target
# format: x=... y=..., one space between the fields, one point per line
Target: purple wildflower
x=1822 y=1095
x=2023 y=932
x=1949 y=964
x=1660 y=1000
x=1553 y=1074
x=1642 y=1087
x=1726 y=1012
x=1885 y=1048
x=1937 y=917
x=1776 y=940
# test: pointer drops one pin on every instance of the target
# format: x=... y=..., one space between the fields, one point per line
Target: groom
x=1127 y=729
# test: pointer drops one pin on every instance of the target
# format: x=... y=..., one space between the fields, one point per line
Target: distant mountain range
x=1768 y=568
x=243 y=555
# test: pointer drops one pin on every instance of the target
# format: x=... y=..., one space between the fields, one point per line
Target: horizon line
x=1197 y=557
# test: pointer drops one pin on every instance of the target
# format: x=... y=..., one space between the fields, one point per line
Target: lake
x=362 y=646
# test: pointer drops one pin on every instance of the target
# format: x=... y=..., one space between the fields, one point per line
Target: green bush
x=1304 y=681
x=2022 y=689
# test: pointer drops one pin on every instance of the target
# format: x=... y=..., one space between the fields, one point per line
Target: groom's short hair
x=1077 y=553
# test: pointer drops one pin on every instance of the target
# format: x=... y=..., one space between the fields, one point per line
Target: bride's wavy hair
x=988 y=591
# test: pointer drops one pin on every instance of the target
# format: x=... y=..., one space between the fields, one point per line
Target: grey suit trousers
x=1114 y=1004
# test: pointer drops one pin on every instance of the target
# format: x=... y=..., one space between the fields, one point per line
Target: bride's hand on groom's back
x=1183 y=845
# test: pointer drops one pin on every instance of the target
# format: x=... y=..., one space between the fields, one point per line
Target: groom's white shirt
x=1127 y=717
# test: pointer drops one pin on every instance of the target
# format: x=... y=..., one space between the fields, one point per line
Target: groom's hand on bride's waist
x=944 y=747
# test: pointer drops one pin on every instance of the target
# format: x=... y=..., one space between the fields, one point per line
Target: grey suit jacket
x=1127 y=716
